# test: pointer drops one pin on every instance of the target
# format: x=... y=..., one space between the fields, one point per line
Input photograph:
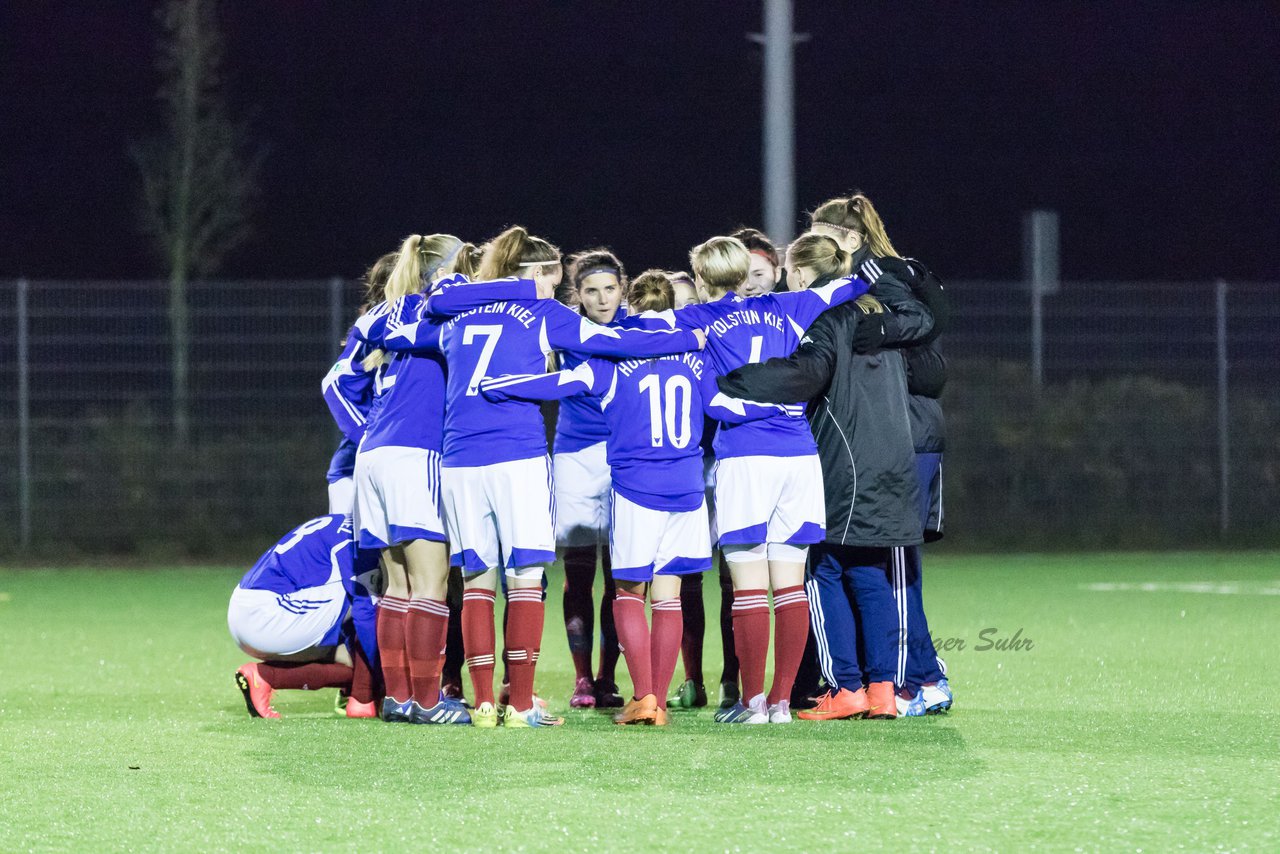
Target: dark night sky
x=1153 y=127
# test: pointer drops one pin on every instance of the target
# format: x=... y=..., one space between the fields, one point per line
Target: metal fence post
x=1224 y=414
x=24 y=417
x=1041 y=272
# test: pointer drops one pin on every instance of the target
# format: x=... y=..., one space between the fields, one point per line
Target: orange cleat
x=660 y=717
x=361 y=710
x=643 y=711
x=884 y=704
x=257 y=693
x=838 y=705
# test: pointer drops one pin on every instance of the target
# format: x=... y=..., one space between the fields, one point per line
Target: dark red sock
x=425 y=628
x=751 y=638
x=363 y=688
x=308 y=677
x=694 y=615
x=391 y=647
x=790 y=632
x=526 y=613
x=478 y=641
x=633 y=638
x=579 y=622
x=668 y=627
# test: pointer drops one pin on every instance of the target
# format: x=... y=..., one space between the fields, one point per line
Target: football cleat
x=690 y=695
x=884 y=704
x=584 y=694
x=641 y=711
x=730 y=696
x=446 y=711
x=837 y=706
x=909 y=705
x=756 y=713
x=357 y=709
x=396 y=712
x=257 y=693
x=537 y=716
x=340 y=703
x=607 y=696
x=780 y=712
x=937 y=697
x=484 y=716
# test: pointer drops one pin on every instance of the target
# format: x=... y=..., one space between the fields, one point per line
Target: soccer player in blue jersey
x=496 y=474
x=597 y=283
x=304 y=611
x=398 y=487
x=653 y=408
x=348 y=392
x=769 y=499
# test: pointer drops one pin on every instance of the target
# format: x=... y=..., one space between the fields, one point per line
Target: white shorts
x=644 y=542
x=342 y=496
x=582 y=484
x=268 y=624
x=500 y=515
x=397 y=497
x=770 y=500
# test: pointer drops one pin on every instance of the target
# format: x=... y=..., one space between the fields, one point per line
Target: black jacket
x=926 y=367
x=859 y=417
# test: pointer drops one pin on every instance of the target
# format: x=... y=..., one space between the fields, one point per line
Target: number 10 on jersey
x=669 y=408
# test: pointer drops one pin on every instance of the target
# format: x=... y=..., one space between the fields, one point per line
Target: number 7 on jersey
x=490 y=334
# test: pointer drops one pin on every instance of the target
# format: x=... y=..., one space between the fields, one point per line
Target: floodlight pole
x=778 y=121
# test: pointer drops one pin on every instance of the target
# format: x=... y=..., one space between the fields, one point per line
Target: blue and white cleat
x=447 y=711
x=910 y=706
x=396 y=712
x=538 y=716
x=937 y=697
x=755 y=713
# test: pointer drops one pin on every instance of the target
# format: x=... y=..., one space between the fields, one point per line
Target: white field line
x=1220 y=588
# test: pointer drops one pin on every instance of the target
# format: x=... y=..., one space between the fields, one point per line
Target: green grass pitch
x=1145 y=716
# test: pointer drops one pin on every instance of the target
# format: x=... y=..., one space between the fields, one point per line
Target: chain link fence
x=1156 y=420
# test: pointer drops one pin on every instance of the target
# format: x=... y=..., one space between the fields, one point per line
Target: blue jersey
x=744 y=331
x=316 y=553
x=343 y=462
x=412 y=385
x=515 y=336
x=654 y=409
x=580 y=422
x=348 y=388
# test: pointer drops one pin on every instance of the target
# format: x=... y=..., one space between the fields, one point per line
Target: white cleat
x=780 y=712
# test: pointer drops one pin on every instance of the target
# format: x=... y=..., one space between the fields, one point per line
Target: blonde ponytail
x=421 y=257
x=820 y=254
x=873 y=227
x=858 y=215
x=513 y=249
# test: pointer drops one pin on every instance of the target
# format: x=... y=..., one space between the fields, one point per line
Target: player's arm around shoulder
x=797 y=378
x=456 y=294
x=565 y=329
x=554 y=386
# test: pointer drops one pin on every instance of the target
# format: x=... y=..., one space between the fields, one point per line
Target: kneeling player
x=305 y=612
x=660 y=529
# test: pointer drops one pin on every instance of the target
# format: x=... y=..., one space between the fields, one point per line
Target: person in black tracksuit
x=860 y=419
x=921 y=679
x=855 y=224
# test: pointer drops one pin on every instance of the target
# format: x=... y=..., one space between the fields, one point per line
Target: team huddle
x=779 y=411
